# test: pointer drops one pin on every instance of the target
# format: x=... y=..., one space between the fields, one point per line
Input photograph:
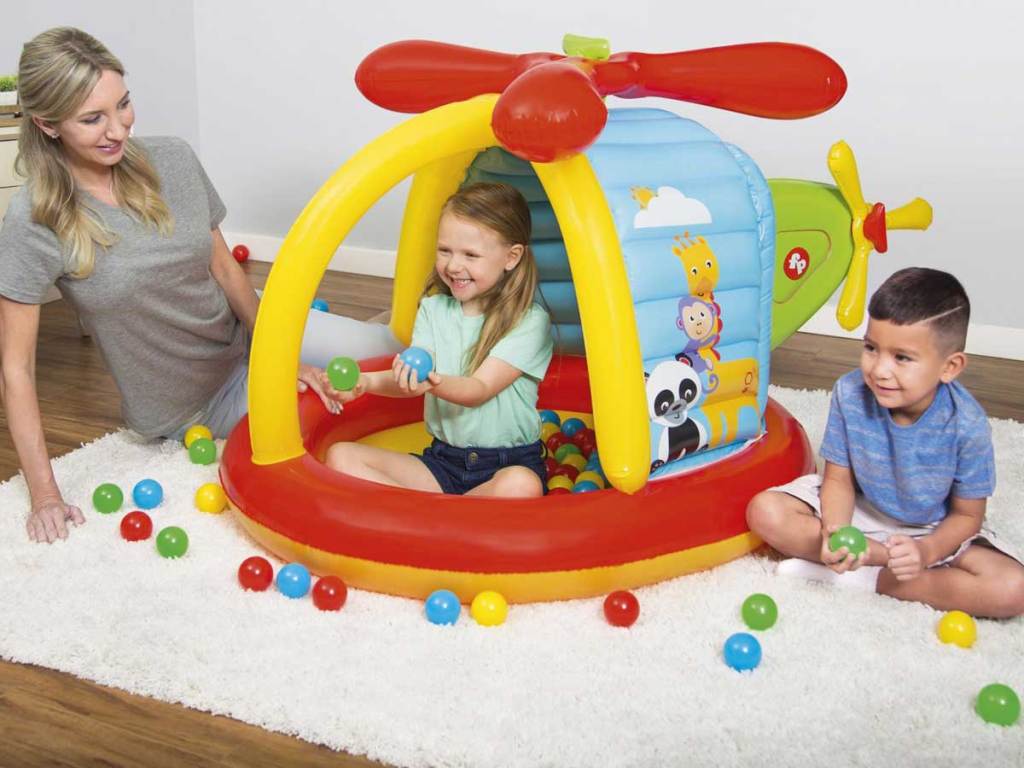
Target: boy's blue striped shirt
x=911 y=472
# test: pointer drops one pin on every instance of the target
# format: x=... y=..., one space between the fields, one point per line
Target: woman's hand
x=48 y=521
x=342 y=396
x=311 y=377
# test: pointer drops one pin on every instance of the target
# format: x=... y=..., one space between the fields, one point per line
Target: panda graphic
x=673 y=388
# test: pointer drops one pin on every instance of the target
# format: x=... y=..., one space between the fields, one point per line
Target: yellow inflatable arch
x=436 y=148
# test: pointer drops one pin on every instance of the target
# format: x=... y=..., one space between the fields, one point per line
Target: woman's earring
x=54 y=135
x=131 y=131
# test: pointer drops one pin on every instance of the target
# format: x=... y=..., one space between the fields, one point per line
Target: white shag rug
x=847 y=677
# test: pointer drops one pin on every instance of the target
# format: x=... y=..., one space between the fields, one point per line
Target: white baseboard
x=987 y=340
x=362 y=261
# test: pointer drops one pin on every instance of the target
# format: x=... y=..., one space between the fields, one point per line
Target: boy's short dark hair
x=919 y=294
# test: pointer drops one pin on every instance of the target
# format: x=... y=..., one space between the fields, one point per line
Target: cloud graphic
x=671 y=208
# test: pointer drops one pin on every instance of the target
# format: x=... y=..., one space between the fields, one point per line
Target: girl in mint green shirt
x=491 y=345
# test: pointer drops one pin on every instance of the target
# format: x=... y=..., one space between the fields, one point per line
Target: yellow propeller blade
x=850 y=311
x=843 y=167
x=917 y=214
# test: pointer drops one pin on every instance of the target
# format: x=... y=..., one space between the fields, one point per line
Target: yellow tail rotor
x=869 y=229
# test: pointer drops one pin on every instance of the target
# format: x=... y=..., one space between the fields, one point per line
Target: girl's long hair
x=56 y=73
x=503 y=210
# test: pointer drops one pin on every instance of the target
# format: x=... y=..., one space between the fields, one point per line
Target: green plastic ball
x=202 y=451
x=849 y=537
x=759 y=611
x=107 y=498
x=172 y=541
x=998 y=704
x=343 y=373
x=564 y=450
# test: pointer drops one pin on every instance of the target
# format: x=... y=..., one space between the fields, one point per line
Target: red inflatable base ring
x=304 y=504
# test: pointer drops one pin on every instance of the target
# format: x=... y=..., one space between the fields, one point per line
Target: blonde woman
x=128 y=231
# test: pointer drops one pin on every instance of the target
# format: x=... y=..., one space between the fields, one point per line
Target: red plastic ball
x=556 y=491
x=136 y=526
x=582 y=436
x=621 y=608
x=551 y=465
x=587 y=446
x=240 y=252
x=556 y=441
x=255 y=573
x=565 y=469
x=330 y=593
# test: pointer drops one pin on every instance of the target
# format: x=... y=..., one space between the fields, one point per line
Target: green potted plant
x=8 y=89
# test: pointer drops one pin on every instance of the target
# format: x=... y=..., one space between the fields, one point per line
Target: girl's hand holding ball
x=414 y=371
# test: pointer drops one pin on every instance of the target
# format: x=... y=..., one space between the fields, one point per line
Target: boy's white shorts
x=877 y=525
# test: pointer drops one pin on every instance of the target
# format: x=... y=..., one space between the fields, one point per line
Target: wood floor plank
x=49 y=718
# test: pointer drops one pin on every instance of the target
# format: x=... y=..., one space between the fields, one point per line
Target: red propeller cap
x=550 y=112
x=874 y=228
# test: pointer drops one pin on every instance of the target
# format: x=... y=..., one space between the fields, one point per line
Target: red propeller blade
x=550 y=112
x=418 y=75
x=779 y=80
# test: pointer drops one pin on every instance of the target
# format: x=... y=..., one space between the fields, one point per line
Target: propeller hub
x=874 y=228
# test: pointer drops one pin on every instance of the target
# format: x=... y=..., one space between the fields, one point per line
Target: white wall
x=154 y=40
x=934 y=107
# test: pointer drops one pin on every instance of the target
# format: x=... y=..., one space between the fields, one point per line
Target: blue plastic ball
x=443 y=607
x=742 y=651
x=147 y=493
x=419 y=360
x=585 y=486
x=321 y=305
x=293 y=580
x=550 y=417
x=571 y=426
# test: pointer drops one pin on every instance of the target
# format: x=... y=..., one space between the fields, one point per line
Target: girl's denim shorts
x=459 y=470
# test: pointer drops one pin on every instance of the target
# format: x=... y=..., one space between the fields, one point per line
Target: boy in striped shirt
x=908 y=460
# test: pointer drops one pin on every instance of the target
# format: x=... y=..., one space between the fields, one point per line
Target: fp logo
x=796 y=263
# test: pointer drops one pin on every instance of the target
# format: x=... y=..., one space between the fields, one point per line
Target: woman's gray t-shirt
x=160 y=320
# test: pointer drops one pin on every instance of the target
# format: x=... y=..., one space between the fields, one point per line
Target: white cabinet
x=9 y=180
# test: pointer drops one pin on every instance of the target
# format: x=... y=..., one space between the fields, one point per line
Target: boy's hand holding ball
x=838 y=543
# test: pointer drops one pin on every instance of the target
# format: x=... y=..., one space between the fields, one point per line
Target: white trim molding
x=361 y=261
x=987 y=340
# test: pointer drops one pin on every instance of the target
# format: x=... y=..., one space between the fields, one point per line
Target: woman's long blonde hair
x=503 y=210
x=56 y=73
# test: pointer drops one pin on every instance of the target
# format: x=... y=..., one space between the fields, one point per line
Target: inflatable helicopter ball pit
x=670 y=265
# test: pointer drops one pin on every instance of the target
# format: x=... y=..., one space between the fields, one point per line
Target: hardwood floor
x=48 y=718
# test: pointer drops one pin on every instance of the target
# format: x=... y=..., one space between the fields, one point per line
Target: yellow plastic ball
x=489 y=609
x=592 y=476
x=575 y=460
x=560 y=481
x=197 y=431
x=210 y=498
x=547 y=429
x=958 y=628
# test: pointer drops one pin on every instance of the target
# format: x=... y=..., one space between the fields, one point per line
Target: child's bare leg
x=510 y=482
x=786 y=524
x=981 y=582
x=381 y=466
x=790 y=526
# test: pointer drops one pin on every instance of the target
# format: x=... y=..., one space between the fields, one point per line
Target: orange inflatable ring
x=410 y=543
